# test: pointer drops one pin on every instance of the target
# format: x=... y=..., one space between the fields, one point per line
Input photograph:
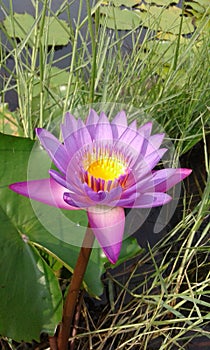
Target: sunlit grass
x=176 y=96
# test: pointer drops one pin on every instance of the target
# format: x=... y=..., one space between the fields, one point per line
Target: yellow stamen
x=106 y=168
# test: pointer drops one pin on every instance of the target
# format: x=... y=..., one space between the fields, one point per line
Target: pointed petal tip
x=92 y=117
x=107 y=225
x=186 y=172
x=46 y=191
x=39 y=131
x=19 y=187
x=112 y=252
x=120 y=119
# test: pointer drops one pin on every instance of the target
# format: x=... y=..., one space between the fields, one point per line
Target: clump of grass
x=100 y=70
x=164 y=300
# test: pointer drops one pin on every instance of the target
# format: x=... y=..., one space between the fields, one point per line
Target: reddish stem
x=53 y=343
x=74 y=288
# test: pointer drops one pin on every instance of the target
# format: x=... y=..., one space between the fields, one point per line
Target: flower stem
x=74 y=288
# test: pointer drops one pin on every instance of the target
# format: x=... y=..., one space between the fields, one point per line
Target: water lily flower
x=103 y=167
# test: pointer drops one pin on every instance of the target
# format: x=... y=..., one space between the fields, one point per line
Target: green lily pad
x=198 y=9
x=22 y=26
x=14 y=157
x=34 y=290
x=8 y=123
x=30 y=296
x=204 y=3
x=167 y=20
x=57 y=78
x=115 y=18
x=153 y=17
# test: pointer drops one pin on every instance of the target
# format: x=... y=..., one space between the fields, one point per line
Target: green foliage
x=15 y=153
x=152 y=17
x=31 y=300
x=34 y=290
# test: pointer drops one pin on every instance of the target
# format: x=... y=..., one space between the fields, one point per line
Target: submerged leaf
x=22 y=26
x=127 y=3
x=162 y=2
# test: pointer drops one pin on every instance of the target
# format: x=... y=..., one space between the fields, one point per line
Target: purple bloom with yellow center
x=103 y=167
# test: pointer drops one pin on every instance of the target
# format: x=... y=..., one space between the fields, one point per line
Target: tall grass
x=100 y=69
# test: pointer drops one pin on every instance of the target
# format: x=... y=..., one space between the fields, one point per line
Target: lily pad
x=14 y=157
x=22 y=26
x=8 y=122
x=30 y=296
x=198 y=9
x=167 y=20
x=153 y=17
x=57 y=78
x=115 y=18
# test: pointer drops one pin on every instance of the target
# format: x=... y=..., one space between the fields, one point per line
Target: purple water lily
x=103 y=167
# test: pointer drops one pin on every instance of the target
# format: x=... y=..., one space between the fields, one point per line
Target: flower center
x=106 y=168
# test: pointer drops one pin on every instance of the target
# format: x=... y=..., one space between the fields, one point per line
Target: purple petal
x=171 y=180
x=92 y=118
x=69 y=125
x=82 y=135
x=58 y=178
x=108 y=227
x=133 y=125
x=146 y=130
x=103 y=129
x=91 y=122
x=137 y=143
x=55 y=149
x=145 y=200
x=76 y=200
x=137 y=187
x=150 y=183
x=144 y=166
x=96 y=197
x=104 y=197
x=47 y=191
x=68 y=129
x=119 y=124
x=127 y=136
x=154 y=142
x=77 y=140
x=120 y=119
x=90 y=198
